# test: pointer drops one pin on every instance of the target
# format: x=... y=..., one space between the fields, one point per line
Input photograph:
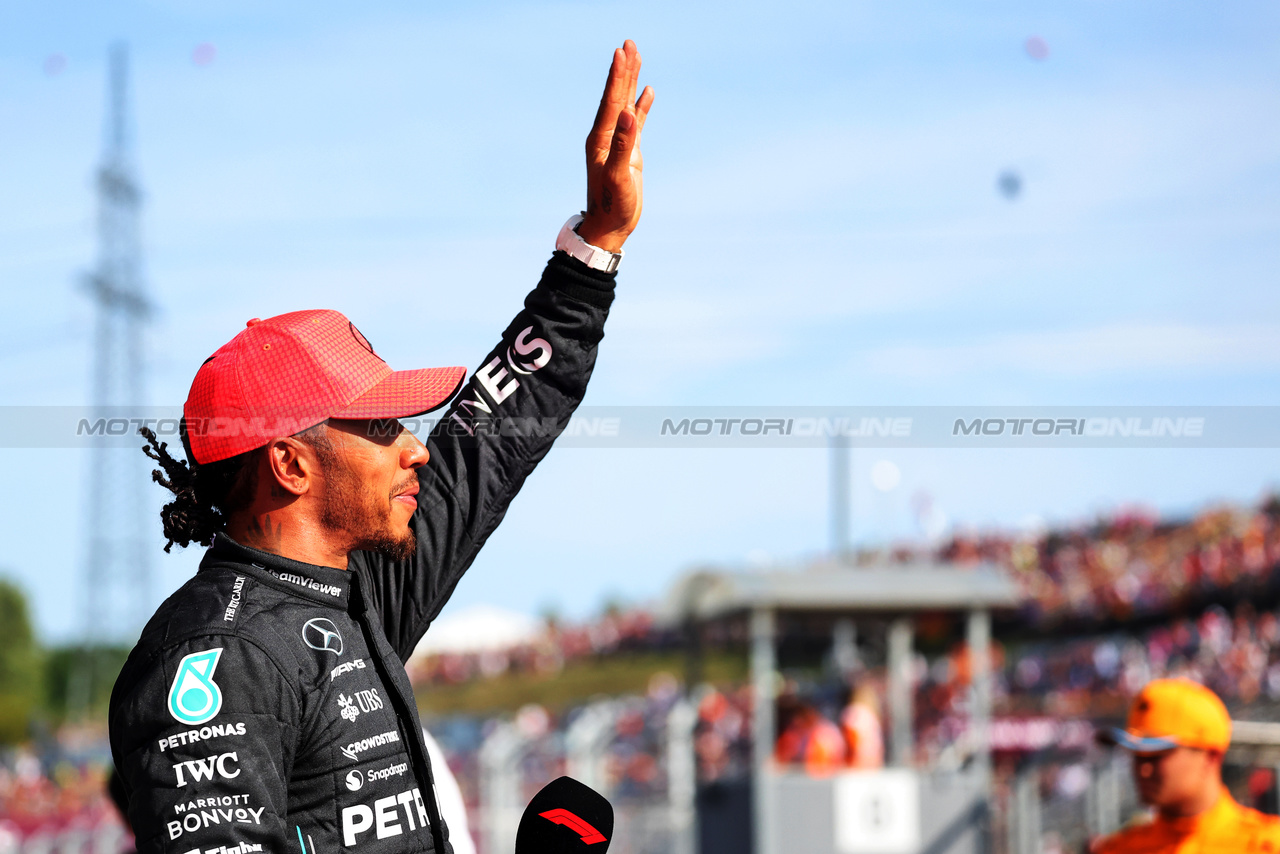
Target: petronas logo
x=194 y=697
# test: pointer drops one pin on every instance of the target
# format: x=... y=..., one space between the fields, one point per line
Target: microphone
x=565 y=817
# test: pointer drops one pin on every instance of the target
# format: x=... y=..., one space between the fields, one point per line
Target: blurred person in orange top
x=860 y=722
x=1178 y=732
x=809 y=739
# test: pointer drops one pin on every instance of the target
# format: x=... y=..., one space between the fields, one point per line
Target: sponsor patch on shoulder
x=346 y=667
x=353 y=750
x=320 y=633
x=194 y=698
x=202 y=734
x=309 y=583
x=233 y=604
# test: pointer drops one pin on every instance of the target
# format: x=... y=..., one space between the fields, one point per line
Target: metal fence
x=660 y=820
x=1052 y=806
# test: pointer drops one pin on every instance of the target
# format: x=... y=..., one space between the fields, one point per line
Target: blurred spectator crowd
x=616 y=631
x=1238 y=656
x=1132 y=565
x=1110 y=607
x=60 y=805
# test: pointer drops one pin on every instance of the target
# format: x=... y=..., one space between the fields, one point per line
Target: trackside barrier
x=586 y=742
x=500 y=804
x=1103 y=801
x=890 y=811
x=682 y=774
x=660 y=822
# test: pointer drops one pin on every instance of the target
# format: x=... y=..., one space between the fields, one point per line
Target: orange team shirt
x=861 y=726
x=1225 y=827
x=820 y=747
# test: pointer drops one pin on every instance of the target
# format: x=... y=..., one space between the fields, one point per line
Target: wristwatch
x=570 y=242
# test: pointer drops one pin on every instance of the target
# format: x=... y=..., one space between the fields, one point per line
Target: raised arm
x=524 y=392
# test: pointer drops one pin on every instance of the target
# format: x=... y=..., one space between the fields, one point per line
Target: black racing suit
x=266 y=706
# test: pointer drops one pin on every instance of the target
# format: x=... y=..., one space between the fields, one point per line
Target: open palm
x=615 y=167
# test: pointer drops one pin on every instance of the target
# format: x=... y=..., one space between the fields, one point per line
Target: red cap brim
x=405 y=393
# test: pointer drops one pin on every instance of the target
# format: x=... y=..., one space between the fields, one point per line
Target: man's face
x=1172 y=778
x=370 y=484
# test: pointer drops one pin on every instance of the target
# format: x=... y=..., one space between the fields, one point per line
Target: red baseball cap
x=284 y=374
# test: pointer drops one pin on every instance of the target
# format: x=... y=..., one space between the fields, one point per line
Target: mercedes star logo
x=320 y=633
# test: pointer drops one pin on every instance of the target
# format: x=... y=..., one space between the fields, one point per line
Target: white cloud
x=652 y=343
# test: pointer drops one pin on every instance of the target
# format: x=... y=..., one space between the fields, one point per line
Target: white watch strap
x=570 y=242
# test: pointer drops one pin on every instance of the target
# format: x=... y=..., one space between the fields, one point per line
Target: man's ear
x=292 y=466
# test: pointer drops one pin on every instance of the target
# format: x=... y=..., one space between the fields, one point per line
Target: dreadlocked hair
x=204 y=496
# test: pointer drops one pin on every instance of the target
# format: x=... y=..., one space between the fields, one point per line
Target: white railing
x=662 y=822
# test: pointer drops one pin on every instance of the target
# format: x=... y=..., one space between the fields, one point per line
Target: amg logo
x=346 y=667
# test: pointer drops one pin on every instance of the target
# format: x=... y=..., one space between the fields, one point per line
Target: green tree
x=78 y=680
x=20 y=665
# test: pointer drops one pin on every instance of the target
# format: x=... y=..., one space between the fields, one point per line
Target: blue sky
x=822 y=227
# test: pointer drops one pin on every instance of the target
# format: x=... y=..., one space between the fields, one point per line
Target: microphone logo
x=590 y=836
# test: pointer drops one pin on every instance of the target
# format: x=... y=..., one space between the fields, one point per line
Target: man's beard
x=351 y=508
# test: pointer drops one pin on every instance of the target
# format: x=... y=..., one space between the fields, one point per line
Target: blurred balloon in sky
x=933 y=521
x=55 y=64
x=1009 y=184
x=885 y=475
x=204 y=53
x=1036 y=47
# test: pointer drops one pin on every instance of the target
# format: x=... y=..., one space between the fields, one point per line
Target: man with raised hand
x=266 y=706
x=1178 y=732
